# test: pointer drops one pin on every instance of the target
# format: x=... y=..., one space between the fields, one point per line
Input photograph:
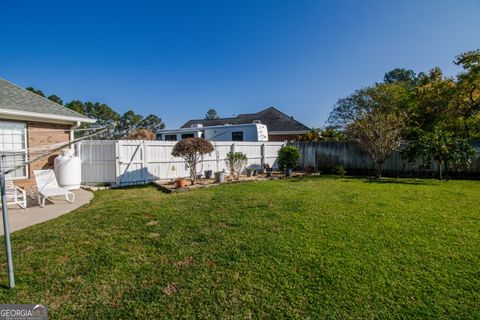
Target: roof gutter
x=25 y=115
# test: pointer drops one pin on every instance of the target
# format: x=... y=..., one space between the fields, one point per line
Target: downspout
x=72 y=136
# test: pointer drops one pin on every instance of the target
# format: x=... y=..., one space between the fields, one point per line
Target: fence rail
x=326 y=156
x=128 y=162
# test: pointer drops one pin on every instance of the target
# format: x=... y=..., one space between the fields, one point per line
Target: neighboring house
x=280 y=126
x=28 y=122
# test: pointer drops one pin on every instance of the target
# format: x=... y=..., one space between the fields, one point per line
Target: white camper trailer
x=238 y=132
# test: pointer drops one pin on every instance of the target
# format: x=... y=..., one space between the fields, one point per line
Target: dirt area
x=170 y=186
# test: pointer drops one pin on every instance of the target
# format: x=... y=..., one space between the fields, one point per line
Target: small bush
x=192 y=150
x=340 y=170
x=142 y=134
x=236 y=161
x=288 y=157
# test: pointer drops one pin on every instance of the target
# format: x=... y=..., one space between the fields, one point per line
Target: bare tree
x=379 y=134
x=192 y=150
x=141 y=134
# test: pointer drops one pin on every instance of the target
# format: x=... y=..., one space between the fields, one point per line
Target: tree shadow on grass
x=347 y=179
x=4 y=287
x=406 y=181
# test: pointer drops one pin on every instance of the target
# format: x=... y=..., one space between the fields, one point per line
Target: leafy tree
x=317 y=135
x=444 y=147
x=192 y=150
x=331 y=134
x=152 y=122
x=379 y=134
x=129 y=122
x=288 y=157
x=55 y=99
x=400 y=75
x=77 y=106
x=39 y=92
x=104 y=115
x=312 y=135
x=467 y=102
x=433 y=97
x=374 y=117
x=236 y=161
x=211 y=114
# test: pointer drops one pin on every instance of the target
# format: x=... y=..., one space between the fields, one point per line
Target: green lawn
x=314 y=247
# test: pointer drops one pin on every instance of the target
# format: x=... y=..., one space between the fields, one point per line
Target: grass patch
x=313 y=247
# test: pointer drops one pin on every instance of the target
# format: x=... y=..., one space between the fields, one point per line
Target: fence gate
x=131 y=163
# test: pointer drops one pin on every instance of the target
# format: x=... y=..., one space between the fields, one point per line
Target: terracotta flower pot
x=181 y=183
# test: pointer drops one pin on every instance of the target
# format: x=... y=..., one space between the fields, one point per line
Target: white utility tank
x=68 y=170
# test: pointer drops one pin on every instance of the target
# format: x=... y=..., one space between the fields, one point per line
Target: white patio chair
x=47 y=187
x=15 y=195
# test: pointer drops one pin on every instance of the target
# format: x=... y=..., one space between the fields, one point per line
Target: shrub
x=288 y=157
x=142 y=134
x=236 y=161
x=340 y=170
x=192 y=150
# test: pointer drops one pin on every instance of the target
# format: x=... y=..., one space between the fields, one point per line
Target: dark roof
x=274 y=119
x=14 y=98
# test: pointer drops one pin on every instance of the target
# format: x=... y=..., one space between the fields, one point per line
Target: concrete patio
x=34 y=214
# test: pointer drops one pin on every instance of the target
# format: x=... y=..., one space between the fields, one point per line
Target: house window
x=170 y=137
x=187 y=135
x=13 y=143
x=237 y=136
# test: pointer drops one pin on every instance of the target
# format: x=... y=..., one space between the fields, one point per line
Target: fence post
x=262 y=152
x=117 y=163
x=145 y=163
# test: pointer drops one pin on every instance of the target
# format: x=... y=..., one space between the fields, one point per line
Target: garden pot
x=220 y=177
x=249 y=173
x=288 y=172
x=269 y=172
x=181 y=183
x=208 y=174
x=254 y=172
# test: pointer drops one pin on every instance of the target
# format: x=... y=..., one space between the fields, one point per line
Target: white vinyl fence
x=128 y=162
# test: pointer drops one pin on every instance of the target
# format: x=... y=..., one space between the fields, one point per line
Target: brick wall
x=37 y=137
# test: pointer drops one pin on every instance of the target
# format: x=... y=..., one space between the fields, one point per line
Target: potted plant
x=208 y=174
x=254 y=172
x=181 y=183
x=288 y=159
x=309 y=169
x=249 y=172
x=268 y=170
x=219 y=176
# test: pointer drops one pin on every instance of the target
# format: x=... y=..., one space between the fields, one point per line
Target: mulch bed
x=169 y=186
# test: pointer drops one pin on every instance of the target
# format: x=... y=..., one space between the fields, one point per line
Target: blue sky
x=177 y=59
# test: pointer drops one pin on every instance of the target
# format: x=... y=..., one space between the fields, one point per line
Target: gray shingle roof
x=274 y=119
x=15 y=98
